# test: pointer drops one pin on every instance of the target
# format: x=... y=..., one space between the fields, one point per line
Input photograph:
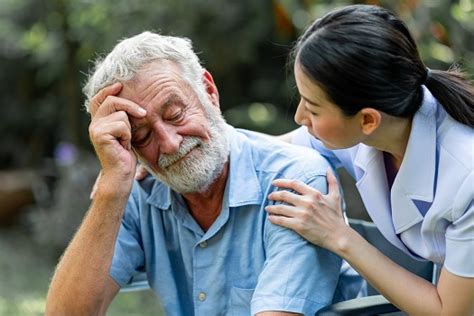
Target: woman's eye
x=311 y=112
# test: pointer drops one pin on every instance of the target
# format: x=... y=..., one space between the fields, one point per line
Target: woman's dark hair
x=363 y=56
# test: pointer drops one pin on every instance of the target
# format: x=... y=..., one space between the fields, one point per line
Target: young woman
x=405 y=133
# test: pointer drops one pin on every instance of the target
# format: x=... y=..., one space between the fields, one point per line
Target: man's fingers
x=115 y=104
x=100 y=97
x=108 y=125
x=119 y=116
x=109 y=132
x=140 y=172
x=106 y=102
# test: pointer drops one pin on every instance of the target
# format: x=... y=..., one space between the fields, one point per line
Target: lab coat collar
x=374 y=191
x=414 y=181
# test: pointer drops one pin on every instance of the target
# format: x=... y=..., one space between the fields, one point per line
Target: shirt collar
x=243 y=184
x=415 y=180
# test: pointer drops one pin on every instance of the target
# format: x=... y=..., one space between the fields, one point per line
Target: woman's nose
x=300 y=115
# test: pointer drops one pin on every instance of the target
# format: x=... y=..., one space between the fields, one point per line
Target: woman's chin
x=331 y=146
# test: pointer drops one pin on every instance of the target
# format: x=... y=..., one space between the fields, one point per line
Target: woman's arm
x=319 y=219
x=454 y=295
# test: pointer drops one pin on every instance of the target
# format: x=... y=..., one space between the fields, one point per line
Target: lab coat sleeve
x=460 y=233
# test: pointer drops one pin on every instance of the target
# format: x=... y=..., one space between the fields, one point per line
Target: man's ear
x=211 y=88
x=370 y=120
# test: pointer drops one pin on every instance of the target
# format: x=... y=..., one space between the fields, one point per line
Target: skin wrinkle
x=172 y=100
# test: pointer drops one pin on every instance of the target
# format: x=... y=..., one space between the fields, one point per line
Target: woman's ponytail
x=454 y=93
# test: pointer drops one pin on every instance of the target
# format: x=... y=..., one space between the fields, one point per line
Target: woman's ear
x=211 y=88
x=370 y=120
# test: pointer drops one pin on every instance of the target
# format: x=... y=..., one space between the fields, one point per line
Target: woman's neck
x=392 y=137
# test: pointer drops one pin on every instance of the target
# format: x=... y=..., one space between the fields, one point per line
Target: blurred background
x=47 y=165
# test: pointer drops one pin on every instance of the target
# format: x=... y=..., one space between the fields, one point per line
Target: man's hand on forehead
x=106 y=102
x=100 y=97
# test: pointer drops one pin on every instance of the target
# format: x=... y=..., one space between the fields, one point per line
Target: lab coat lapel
x=373 y=188
x=415 y=181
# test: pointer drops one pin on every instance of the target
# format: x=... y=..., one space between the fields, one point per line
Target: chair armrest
x=369 y=305
x=138 y=283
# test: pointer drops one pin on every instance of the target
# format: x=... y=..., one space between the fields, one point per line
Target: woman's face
x=324 y=119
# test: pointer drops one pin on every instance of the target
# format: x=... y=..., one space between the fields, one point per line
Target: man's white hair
x=131 y=54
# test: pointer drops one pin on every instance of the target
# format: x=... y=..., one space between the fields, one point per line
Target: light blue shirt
x=428 y=212
x=243 y=264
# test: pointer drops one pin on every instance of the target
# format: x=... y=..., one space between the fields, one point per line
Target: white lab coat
x=429 y=212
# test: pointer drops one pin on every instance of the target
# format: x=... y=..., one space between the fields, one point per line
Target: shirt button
x=203 y=244
x=202 y=296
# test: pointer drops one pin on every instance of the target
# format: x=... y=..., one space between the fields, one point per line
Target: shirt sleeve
x=297 y=276
x=128 y=259
x=460 y=233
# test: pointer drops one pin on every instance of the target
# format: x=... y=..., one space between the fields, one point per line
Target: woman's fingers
x=287 y=222
x=282 y=210
x=286 y=196
x=295 y=185
x=311 y=214
x=333 y=186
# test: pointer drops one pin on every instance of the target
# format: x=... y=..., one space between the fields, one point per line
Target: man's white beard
x=206 y=160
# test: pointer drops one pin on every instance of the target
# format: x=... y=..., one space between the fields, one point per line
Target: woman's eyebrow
x=309 y=101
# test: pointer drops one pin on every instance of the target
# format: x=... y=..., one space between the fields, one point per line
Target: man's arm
x=81 y=284
x=297 y=277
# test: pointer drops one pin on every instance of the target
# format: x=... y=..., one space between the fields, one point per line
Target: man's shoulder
x=259 y=142
x=270 y=153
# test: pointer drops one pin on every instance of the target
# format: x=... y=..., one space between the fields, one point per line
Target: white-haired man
x=197 y=225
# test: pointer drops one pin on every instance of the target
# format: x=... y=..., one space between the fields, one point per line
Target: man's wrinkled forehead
x=153 y=75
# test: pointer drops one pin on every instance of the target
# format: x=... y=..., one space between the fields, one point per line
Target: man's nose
x=168 y=139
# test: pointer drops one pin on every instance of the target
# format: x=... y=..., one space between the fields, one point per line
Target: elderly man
x=197 y=224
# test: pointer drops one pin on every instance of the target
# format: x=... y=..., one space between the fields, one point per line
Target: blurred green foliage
x=46 y=47
x=45 y=52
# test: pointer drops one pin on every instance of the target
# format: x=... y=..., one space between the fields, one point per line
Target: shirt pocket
x=240 y=301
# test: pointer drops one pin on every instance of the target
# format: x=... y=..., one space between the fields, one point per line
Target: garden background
x=47 y=165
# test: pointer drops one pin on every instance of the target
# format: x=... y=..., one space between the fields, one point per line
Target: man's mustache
x=188 y=144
